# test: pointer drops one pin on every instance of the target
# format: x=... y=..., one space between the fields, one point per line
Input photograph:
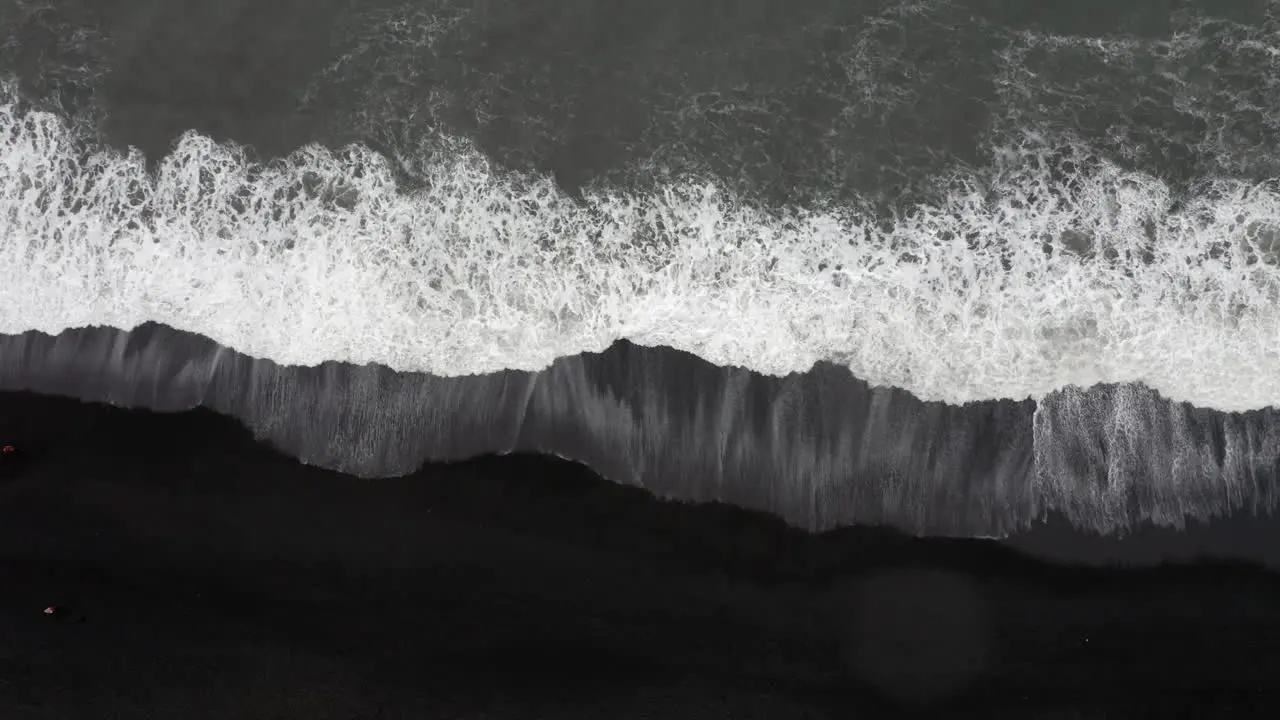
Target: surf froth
x=1052 y=268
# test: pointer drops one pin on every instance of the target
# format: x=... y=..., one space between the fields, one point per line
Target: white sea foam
x=323 y=257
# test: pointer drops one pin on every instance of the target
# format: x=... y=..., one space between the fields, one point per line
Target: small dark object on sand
x=61 y=613
x=11 y=459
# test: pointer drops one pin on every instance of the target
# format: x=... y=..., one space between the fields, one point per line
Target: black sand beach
x=195 y=574
x=307 y=186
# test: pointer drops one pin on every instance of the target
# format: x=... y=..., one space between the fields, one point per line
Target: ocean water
x=946 y=266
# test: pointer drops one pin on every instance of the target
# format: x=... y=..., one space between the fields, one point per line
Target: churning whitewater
x=947 y=307
x=1018 y=284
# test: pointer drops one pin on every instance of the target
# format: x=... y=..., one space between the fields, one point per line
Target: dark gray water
x=948 y=266
x=791 y=101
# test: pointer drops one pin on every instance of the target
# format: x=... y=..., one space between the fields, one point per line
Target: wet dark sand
x=199 y=574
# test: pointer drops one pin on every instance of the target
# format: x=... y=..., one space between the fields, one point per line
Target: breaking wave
x=1053 y=268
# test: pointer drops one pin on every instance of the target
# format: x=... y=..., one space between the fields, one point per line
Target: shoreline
x=820 y=450
x=184 y=556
